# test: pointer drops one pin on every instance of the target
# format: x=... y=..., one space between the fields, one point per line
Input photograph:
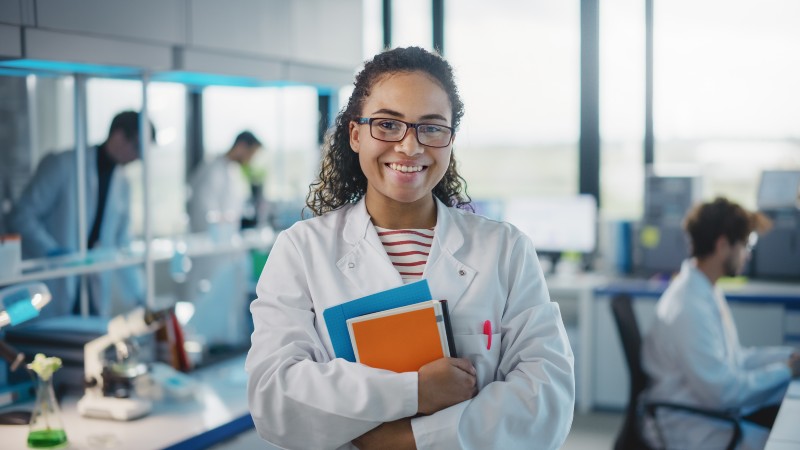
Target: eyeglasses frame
x=409 y=125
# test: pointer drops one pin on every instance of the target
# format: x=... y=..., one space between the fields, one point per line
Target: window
x=726 y=96
x=519 y=79
x=372 y=22
x=411 y=23
x=622 y=108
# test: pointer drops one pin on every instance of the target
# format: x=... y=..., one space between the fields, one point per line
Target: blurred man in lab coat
x=217 y=282
x=220 y=189
x=692 y=352
x=46 y=216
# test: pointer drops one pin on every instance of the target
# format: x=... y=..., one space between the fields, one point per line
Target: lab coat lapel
x=366 y=266
x=447 y=277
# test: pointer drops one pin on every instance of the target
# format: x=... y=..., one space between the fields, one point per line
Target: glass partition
x=284 y=119
x=167 y=112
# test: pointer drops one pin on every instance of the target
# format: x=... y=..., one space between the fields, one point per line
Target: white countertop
x=221 y=399
x=785 y=433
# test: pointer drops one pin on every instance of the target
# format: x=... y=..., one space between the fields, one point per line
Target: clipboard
x=336 y=316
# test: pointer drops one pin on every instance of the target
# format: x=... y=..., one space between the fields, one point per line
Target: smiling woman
x=392 y=209
x=401 y=170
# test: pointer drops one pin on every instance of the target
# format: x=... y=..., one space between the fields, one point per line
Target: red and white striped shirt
x=407 y=249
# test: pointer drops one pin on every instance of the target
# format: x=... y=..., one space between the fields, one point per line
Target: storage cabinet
x=305 y=41
x=10 y=42
x=255 y=27
x=141 y=20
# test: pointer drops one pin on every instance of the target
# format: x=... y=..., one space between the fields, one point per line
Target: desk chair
x=630 y=437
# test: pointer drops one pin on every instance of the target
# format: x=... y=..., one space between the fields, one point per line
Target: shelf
x=196 y=245
x=49 y=268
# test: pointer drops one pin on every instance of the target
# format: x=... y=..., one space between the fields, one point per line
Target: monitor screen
x=779 y=189
x=556 y=224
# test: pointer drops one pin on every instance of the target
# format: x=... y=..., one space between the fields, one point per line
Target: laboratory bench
x=217 y=411
x=785 y=434
x=766 y=313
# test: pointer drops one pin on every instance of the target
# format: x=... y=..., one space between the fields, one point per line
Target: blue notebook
x=336 y=316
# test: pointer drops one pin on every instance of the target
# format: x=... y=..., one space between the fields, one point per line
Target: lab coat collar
x=696 y=277
x=447 y=276
x=368 y=266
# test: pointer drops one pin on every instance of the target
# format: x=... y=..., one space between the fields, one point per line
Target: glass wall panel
x=37 y=118
x=283 y=118
x=167 y=110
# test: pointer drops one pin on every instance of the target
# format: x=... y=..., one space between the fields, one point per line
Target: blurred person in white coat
x=692 y=352
x=220 y=189
x=46 y=217
x=217 y=284
x=388 y=170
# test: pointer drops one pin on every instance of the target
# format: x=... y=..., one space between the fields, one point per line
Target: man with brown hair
x=692 y=352
x=46 y=216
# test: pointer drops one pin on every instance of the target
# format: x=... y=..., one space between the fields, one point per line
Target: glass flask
x=46 y=429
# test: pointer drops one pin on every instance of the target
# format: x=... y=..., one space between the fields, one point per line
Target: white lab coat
x=218 y=187
x=217 y=283
x=693 y=357
x=46 y=216
x=302 y=398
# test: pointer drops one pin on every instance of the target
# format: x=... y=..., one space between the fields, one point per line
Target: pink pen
x=487 y=330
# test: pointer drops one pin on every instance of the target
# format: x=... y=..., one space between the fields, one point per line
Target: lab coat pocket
x=474 y=348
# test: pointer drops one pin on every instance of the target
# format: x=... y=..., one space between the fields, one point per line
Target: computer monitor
x=779 y=189
x=556 y=224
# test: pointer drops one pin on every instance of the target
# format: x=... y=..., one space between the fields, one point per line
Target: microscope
x=110 y=389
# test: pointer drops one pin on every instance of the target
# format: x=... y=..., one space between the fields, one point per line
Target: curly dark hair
x=706 y=222
x=340 y=179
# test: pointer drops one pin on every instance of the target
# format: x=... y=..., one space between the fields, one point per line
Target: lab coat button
x=462 y=272
x=351 y=265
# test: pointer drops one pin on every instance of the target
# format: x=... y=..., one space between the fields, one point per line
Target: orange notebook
x=403 y=339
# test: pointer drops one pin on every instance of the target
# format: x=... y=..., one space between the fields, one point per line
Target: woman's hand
x=445 y=382
x=396 y=435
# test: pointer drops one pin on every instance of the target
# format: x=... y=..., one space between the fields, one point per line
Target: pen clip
x=487 y=330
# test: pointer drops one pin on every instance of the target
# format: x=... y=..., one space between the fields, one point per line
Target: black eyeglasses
x=393 y=130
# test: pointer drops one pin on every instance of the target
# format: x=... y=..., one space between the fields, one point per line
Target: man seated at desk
x=692 y=352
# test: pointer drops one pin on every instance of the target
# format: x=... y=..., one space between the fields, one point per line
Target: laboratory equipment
x=21 y=302
x=110 y=387
x=777 y=255
x=46 y=427
x=661 y=244
x=62 y=336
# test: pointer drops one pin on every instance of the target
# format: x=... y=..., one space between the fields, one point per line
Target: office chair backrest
x=622 y=308
x=630 y=436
